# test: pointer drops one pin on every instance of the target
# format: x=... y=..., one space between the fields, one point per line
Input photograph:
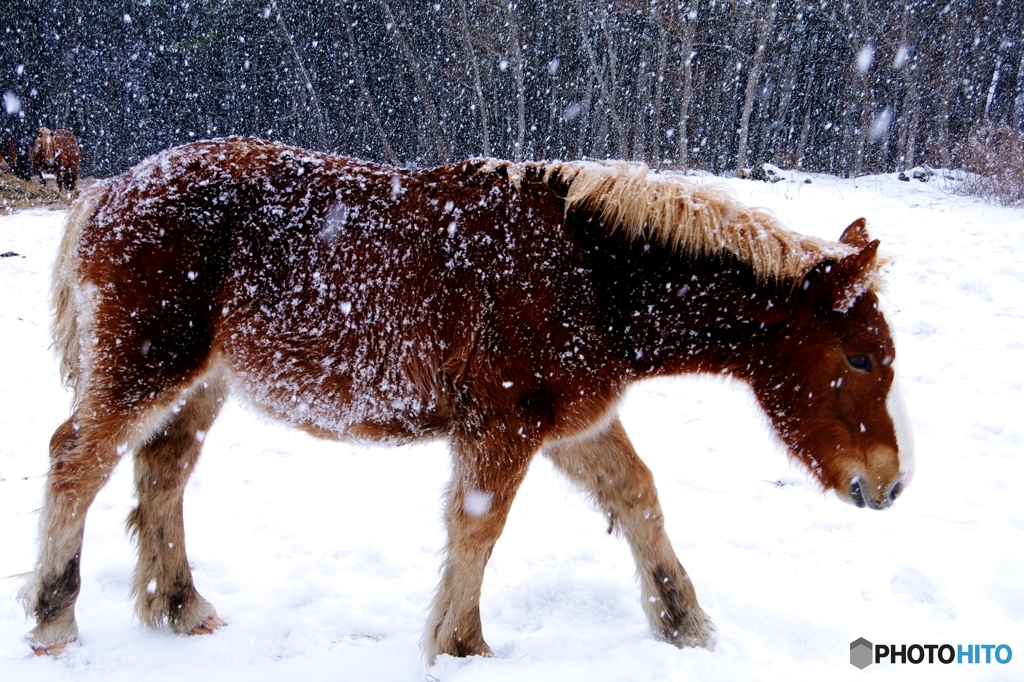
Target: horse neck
x=671 y=313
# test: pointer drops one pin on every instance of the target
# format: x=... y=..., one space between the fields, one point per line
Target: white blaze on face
x=901 y=423
x=900 y=419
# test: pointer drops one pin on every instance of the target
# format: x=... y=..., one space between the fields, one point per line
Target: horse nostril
x=857 y=494
x=895 y=492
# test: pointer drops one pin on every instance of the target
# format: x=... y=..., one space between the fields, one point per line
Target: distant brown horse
x=504 y=307
x=9 y=152
x=17 y=163
x=57 y=152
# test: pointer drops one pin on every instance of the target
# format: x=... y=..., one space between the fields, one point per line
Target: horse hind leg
x=52 y=589
x=106 y=424
x=607 y=467
x=162 y=586
x=83 y=453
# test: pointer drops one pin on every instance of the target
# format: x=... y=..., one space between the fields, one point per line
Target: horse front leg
x=162 y=585
x=486 y=475
x=607 y=467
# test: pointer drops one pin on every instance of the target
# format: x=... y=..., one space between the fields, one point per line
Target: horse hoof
x=50 y=650
x=208 y=625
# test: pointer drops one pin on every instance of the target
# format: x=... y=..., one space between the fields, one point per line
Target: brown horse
x=503 y=307
x=17 y=163
x=56 y=152
x=9 y=152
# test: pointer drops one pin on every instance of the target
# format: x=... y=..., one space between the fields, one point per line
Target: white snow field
x=322 y=556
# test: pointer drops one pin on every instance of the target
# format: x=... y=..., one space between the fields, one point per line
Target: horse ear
x=853 y=276
x=856 y=234
x=839 y=284
x=854 y=267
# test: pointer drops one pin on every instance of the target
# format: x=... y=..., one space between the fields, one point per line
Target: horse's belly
x=335 y=394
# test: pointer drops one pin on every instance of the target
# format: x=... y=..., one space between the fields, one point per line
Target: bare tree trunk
x=911 y=100
x=517 y=71
x=687 y=54
x=753 y=76
x=947 y=61
x=942 y=124
x=659 y=83
x=68 y=52
x=862 y=129
x=801 y=143
x=782 y=136
x=364 y=92
x=862 y=52
x=612 y=92
x=995 y=82
x=433 y=119
x=307 y=85
x=636 y=124
x=593 y=74
x=1018 y=101
x=915 y=121
x=481 y=103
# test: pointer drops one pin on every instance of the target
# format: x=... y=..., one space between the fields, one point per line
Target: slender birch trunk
x=481 y=103
x=659 y=83
x=517 y=71
x=612 y=93
x=688 y=30
x=307 y=84
x=753 y=76
x=364 y=91
x=427 y=101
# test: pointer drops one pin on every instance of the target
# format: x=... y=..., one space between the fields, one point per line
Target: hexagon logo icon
x=861 y=653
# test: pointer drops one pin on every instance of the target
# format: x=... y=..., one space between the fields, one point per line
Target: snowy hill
x=322 y=556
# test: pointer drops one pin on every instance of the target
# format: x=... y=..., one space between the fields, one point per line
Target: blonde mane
x=696 y=219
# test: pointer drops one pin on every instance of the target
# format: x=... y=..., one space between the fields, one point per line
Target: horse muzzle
x=863 y=498
x=878 y=479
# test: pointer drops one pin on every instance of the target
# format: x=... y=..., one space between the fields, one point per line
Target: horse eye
x=861 y=363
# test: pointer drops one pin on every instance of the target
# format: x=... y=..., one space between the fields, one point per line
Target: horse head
x=45 y=149
x=831 y=387
x=712 y=286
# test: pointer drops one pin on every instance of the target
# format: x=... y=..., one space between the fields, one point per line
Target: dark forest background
x=843 y=87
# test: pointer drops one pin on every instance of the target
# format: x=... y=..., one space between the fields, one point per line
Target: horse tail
x=69 y=325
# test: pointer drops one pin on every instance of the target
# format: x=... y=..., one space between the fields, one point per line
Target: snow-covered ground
x=322 y=556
